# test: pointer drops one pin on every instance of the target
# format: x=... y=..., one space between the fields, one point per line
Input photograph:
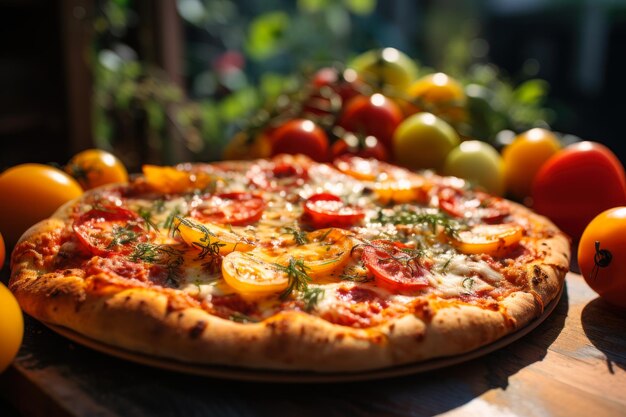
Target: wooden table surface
x=573 y=364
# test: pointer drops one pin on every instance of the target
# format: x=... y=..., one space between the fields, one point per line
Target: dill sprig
x=146 y=215
x=311 y=296
x=407 y=216
x=205 y=244
x=123 y=235
x=298 y=235
x=158 y=254
x=169 y=220
x=298 y=276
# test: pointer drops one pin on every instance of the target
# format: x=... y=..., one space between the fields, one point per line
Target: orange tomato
x=523 y=158
x=439 y=94
x=11 y=327
x=602 y=255
x=30 y=193
x=95 y=167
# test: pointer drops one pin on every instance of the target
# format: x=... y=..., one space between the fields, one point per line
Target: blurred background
x=171 y=80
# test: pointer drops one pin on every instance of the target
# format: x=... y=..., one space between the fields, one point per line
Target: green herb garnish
x=408 y=216
x=298 y=235
x=123 y=235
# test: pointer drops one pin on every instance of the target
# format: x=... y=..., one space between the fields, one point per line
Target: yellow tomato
x=95 y=167
x=11 y=327
x=438 y=94
x=423 y=141
x=326 y=251
x=210 y=238
x=479 y=163
x=524 y=157
x=30 y=193
x=171 y=180
x=488 y=238
x=248 y=273
x=386 y=67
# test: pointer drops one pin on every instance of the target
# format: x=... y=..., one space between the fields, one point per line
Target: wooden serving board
x=573 y=364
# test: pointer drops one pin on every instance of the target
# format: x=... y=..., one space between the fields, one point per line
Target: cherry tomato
x=423 y=141
x=94 y=167
x=344 y=83
x=11 y=327
x=281 y=175
x=110 y=230
x=236 y=209
x=473 y=205
x=395 y=266
x=524 y=157
x=300 y=136
x=32 y=192
x=439 y=94
x=602 y=255
x=479 y=163
x=365 y=147
x=375 y=115
x=328 y=210
x=385 y=68
x=578 y=183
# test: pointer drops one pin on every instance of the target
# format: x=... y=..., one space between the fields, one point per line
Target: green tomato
x=479 y=163
x=423 y=141
x=386 y=67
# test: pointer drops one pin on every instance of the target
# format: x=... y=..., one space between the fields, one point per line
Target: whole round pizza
x=290 y=264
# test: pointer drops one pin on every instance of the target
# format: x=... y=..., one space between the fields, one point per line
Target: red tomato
x=345 y=83
x=602 y=255
x=473 y=204
x=394 y=266
x=300 y=136
x=110 y=230
x=365 y=147
x=278 y=176
x=376 y=116
x=237 y=209
x=577 y=184
x=328 y=210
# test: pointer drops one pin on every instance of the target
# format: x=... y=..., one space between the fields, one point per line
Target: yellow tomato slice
x=210 y=238
x=402 y=191
x=326 y=251
x=248 y=273
x=171 y=180
x=488 y=238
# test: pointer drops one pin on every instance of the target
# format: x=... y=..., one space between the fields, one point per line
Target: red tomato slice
x=237 y=209
x=473 y=204
x=110 y=230
x=394 y=267
x=328 y=210
x=280 y=176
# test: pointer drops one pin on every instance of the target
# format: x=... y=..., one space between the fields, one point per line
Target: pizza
x=290 y=264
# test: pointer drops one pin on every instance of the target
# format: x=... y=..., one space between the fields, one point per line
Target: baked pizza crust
x=157 y=323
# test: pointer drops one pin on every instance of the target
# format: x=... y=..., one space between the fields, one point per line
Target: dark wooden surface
x=574 y=364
